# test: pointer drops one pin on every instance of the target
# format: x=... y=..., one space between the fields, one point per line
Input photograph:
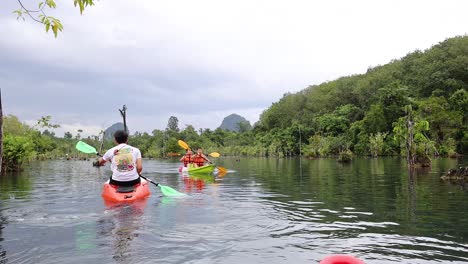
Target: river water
x=262 y=211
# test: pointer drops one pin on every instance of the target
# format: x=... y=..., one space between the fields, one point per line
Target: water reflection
x=120 y=224
x=197 y=182
x=412 y=195
x=193 y=184
x=15 y=185
x=3 y=256
x=262 y=211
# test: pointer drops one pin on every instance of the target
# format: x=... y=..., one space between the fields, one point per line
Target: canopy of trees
x=353 y=112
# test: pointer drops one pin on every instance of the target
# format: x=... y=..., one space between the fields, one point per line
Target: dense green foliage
x=360 y=112
x=364 y=114
x=23 y=143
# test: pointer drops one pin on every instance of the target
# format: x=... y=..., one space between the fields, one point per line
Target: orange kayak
x=119 y=194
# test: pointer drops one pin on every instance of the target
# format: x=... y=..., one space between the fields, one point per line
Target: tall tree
x=123 y=113
x=410 y=133
x=173 y=124
x=68 y=135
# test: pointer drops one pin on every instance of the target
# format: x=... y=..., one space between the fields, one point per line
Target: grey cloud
x=34 y=88
x=201 y=60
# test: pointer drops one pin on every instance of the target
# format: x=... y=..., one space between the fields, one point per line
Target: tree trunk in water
x=410 y=155
x=409 y=144
x=123 y=113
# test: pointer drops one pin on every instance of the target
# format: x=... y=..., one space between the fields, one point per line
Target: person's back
x=125 y=161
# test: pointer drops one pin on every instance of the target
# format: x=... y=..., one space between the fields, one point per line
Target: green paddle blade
x=168 y=191
x=83 y=147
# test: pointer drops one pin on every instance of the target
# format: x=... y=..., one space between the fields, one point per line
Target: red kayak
x=341 y=259
x=120 y=194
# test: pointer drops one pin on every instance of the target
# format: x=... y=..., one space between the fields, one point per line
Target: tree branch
x=28 y=12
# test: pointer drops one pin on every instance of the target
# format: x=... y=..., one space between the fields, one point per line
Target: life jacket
x=187 y=159
x=199 y=160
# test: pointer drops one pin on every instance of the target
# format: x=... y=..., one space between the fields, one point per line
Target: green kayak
x=207 y=169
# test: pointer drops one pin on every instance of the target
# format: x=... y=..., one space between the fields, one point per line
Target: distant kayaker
x=187 y=158
x=125 y=161
x=200 y=158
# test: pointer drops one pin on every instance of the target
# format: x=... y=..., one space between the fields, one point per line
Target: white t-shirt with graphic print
x=123 y=162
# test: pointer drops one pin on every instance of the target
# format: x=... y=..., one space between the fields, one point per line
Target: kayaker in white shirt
x=125 y=161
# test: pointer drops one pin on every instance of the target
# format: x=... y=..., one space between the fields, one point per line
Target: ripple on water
x=406 y=248
x=241 y=219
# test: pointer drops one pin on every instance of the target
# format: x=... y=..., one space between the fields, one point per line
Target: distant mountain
x=235 y=122
x=111 y=130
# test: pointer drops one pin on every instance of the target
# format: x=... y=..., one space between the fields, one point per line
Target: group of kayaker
x=197 y=160
x=126 y=168
x=126 y=162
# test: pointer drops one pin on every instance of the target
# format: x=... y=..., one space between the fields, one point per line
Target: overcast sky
x=200 y=60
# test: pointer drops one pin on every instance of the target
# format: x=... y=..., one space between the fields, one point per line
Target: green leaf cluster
x=16 y=151
x=23 y=143
x=40 y=16
x=82 y=4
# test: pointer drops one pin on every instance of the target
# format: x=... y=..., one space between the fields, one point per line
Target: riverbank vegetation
x=366 y=113
x=416 y=106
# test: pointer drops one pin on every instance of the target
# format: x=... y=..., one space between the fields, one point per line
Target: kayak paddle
x=166 y=190
x=85 y=148
x=183 y=145
x=222 y=170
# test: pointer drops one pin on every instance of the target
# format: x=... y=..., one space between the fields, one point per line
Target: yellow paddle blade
x=183 y=145
x=222 y=170
x=214 y=154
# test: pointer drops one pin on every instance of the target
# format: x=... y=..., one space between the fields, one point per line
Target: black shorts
x=124 y=183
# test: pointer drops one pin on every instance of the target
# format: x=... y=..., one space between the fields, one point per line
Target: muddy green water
x=262 y=211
